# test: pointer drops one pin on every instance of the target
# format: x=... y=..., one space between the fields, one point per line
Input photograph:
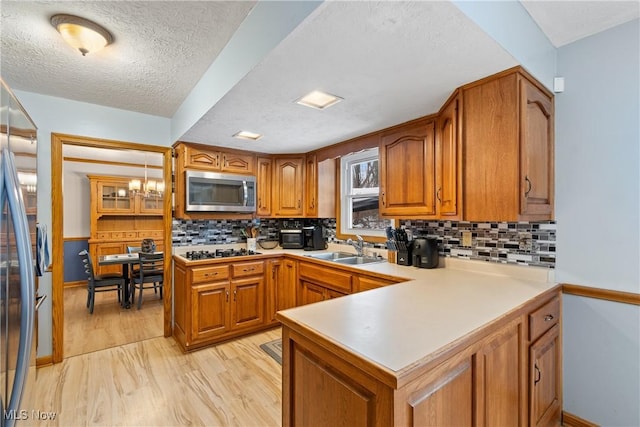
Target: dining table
x=125 y=260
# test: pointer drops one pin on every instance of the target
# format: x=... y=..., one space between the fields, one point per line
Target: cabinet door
x=114 y=197
x=210 y=312
x=288 y=177
x=500 y=378
x=407 y=171
x=536 y=183
x=238 y=162
x=150 y=205
x=311 y=187
x=101 y=249
x=201 y=159
x=247 y=304
x=265 y=167
x=287 y=286
x=273 y=278
x=448 y=158
x=330 y=294
x=310 y=293
x=443 y=398
x=544 y=379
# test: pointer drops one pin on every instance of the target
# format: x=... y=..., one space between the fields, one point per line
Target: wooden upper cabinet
x=407 y=170
x=265 y=185
x=217 y=160
x=536 y=141
x=311 y=186
x=288 y=179
x=448 y=161
x=508 y=149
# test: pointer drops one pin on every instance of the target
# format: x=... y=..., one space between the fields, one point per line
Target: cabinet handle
x=235 y=295
x=526 y=193
x=248 y=269
x=227 y=292
x=538 y=374
x=313 y=203
x=210 y=274
x=548 y=317
x=298 y=203
x=438 y=194
x=383 y=202
x=259 y=202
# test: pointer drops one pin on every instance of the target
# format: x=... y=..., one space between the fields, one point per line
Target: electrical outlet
x=467 y=239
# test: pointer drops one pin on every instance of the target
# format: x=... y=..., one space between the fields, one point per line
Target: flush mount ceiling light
x=81 y=34
x=318 y=100
x=243 y=134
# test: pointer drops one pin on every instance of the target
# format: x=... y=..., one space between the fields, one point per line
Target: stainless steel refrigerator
x=18 y=176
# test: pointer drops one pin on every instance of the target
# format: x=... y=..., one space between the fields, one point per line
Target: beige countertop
x=398 y=325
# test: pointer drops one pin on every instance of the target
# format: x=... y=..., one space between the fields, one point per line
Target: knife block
x=404 y=256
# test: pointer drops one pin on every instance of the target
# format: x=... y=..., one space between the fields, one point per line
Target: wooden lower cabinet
x=485 y=381
x=218 y=301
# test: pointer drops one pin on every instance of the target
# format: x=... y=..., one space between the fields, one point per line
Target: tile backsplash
x=523 y=243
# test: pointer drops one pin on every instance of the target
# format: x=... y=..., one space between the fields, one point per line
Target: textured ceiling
x=161 y=50
x=391 y=61
x=567 y=21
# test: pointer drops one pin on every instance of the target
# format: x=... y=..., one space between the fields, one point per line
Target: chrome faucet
x=359 y=245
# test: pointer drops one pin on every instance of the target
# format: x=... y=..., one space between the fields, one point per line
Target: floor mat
x=273 y=349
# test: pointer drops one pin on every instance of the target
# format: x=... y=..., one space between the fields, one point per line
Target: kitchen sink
x=355 y=260
x=332 y=256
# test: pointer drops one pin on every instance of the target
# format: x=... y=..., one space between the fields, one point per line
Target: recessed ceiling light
x=243 y=134
x=318 y=100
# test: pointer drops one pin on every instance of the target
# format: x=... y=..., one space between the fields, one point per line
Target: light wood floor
x=110 y=325
x=152 y=383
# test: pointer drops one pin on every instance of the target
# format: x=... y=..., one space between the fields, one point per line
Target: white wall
x=58 y=115
x=597 y=210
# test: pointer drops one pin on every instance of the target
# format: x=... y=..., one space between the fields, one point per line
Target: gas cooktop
x=218 y=253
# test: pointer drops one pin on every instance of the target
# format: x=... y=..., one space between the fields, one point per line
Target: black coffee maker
x=313 y=239
x=425 y=252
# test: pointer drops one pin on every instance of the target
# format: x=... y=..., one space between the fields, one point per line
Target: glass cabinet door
x=115 y=197
x=151 y=204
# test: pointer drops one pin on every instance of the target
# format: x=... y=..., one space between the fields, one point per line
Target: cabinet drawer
x=247 y=269
x=209 y=274
x=153 y=234
x=326 y=277
x=103 y=235
x=544 y=318
x=131 y=234
x=117 y=234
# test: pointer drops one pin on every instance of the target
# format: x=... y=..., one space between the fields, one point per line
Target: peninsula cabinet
x=508 y=149
x=288 y=186
x=481 y=379
x=318 y=283
x=218 y=301
x=408 y=170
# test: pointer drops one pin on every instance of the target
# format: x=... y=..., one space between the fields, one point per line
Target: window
x=359 y=212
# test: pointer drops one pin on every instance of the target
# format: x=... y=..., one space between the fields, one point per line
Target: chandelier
x=148 y=188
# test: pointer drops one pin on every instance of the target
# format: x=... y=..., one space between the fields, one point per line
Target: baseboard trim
x=44 y=361
x=570 y=420
x=599 y=293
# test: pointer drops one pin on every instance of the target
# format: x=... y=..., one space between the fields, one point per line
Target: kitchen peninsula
x=449 y=348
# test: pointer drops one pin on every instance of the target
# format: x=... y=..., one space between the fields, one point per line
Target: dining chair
x=100 y=282
x=135 y=267
x=151 y=270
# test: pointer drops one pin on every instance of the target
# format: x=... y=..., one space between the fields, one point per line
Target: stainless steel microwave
x=220 y=192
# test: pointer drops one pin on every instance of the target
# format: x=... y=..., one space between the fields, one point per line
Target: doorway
x=58 y=142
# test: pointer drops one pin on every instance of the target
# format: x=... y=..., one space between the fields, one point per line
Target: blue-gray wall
x=73 y=267
x=597 y=211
